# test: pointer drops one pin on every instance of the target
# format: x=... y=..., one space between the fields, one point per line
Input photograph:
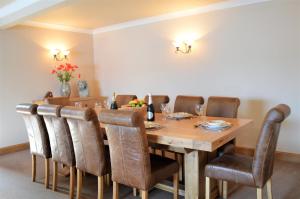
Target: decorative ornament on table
x=64 y=73
x=83 y=88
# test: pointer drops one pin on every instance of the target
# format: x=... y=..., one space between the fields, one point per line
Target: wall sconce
x=60 y=55
x=183 y=47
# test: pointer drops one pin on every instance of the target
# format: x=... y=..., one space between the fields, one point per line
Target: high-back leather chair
x=256 y=171
x=131 y=162
x=38 y=137
x=157 y=101
x=88 y=145
x=187 y=104
x=63 y=101
x=60 y=142
x=222 y=107
x=124 y=99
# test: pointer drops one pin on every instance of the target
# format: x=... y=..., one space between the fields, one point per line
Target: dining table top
x=183 y=133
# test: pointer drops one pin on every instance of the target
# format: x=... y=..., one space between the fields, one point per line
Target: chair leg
x=269 y=189
x=115 y=190
x=134 y=190
x=144 y=194
x=178 y=158
x=100 y=187
x=72 y=175
x=225 y=185
x=207 y=188
x=79 y=183
x=175 y=185
x=47 y=171
x=259 y=193
x=54 y=176
x=108 y=180
x=220 y=187
x=33 y=167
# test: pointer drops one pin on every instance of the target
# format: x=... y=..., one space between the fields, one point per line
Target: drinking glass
x=106 y=104
x=78 y=104
x=165 y=110
x=198 y=109
x=98 y=107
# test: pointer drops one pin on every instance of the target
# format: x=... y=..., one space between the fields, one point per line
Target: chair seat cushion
x=162 y=168
x=231 y=167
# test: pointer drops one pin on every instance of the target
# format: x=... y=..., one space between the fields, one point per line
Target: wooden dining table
x=196 y=144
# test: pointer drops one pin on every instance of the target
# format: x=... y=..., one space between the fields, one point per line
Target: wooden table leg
x=195 y=162
x=194 y=165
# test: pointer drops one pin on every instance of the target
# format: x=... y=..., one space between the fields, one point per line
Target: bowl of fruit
x=136 y=105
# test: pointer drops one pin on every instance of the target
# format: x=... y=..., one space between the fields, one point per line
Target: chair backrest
x=87 y=139
x=187 y=104
x=64 y=101
x=124 y=99
x=59 y=134
x=36 y=130
x=128 y=145
x=265 y=149
x=157 y=101
x=222 y=107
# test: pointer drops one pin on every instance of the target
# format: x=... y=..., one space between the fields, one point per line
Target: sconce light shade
x=60 y=55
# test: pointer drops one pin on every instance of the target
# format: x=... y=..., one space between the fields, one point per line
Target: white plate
x=214 y=124
x=179 y=115
x=151 y=125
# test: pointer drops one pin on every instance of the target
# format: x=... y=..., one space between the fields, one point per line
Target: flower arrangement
x=64 y=72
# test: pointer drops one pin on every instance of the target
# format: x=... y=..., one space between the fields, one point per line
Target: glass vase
x=65 y=89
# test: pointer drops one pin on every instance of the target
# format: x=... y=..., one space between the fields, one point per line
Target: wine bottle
x=150 y=109
x=114 y=104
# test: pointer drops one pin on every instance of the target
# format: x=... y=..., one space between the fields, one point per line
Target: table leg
x=194 y=165
x=195 y=162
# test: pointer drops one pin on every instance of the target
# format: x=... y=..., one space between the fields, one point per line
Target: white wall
x=25 y=65
x=252 y=52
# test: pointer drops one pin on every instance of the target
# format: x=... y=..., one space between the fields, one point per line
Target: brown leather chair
x=64 y=101
x=157 y=101
x=222 y=107
x=88 y=143
x=124 y=99
x=187 y=104
x=60 y=141
x=38 y=137
x=131 y=163
x=251 y=171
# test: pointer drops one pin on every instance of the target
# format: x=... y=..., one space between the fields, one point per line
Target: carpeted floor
x=15 y=182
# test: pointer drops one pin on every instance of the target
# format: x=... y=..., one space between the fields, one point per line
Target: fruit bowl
x=136 y=105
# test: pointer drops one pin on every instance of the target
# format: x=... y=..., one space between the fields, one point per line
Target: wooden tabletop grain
x=184 y=134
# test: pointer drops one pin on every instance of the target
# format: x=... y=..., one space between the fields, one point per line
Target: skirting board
x=14 y=148
x=285 y=156
x=291 y=157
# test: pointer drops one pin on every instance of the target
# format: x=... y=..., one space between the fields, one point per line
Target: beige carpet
x=15 y=182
